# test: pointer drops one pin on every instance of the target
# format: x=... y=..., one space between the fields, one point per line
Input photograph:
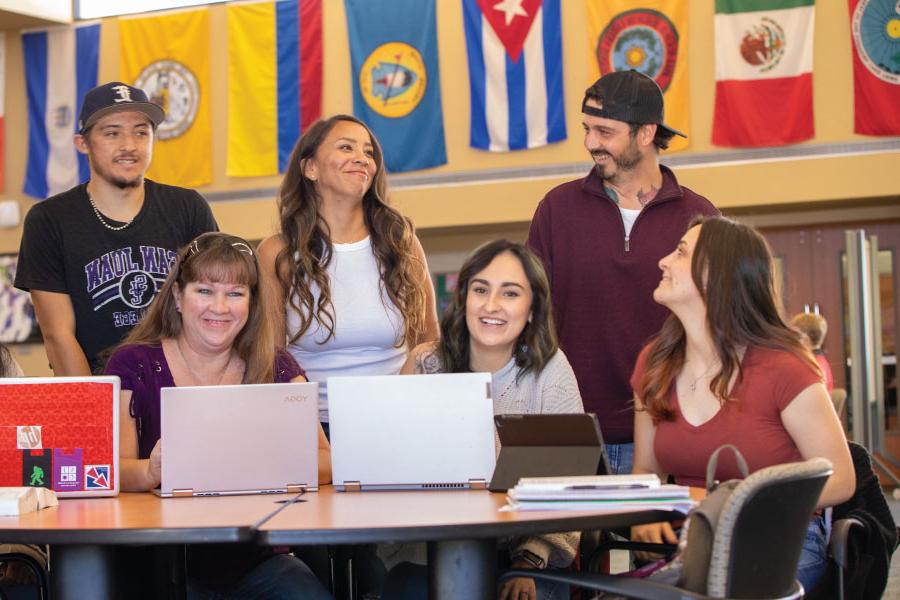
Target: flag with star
x=649 y=36
x=514 y=49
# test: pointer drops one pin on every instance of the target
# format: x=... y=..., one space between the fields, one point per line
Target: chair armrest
x=600 y=550
x=40 y=574
x=840 y=533
x=631 y=587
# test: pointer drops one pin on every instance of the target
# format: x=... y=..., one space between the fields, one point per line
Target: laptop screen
x=411 y=431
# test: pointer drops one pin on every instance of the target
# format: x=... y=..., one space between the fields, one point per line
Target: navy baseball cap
x=116 y=96
x=628 y=96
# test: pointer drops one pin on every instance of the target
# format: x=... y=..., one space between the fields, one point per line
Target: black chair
x=863 y=538
x=41 y=587
x=752 y=552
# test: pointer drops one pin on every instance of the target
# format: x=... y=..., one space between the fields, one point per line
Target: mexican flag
x=764 y=59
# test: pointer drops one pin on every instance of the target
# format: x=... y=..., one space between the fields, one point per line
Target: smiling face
x=498 y=305
x=119 y=147
x=614 y=150
x=212 y=314
x=344 y=164
x=677 y=287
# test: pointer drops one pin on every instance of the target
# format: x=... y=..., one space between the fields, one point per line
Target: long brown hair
x=732 y=268
x=219 y=258
x=535 y=345
x=308 y=247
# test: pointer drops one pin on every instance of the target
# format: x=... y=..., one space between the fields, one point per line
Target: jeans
x=282 y=577
x=621 y=458
x=408 y=581
x=814 y=555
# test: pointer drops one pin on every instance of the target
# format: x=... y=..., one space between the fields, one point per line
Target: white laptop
x=411 y=432
x=60 y=433
x=239 y=439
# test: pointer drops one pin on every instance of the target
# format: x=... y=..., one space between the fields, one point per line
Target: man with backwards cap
x=94 y=257
x=601 y=238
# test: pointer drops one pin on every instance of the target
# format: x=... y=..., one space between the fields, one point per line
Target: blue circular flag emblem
x=876 y=33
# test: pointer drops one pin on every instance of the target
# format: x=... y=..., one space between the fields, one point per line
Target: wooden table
x=83 y=531
x=461 y=528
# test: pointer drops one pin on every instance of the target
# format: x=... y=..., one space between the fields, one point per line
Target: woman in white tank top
x=347 y=268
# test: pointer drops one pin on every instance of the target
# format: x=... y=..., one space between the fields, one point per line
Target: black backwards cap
x=627 y=96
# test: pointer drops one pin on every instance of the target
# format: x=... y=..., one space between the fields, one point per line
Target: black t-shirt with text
x=111 y=276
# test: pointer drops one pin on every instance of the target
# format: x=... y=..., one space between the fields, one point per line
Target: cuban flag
x=60 y=68
x=515 y=73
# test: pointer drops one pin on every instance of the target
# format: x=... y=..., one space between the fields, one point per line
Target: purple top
x=144 y=371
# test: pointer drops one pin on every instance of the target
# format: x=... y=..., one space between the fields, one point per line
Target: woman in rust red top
x=725 y=368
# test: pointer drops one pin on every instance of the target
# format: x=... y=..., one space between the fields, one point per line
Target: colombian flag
x=274 y=82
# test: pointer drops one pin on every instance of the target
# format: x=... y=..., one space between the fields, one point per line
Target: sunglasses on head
x=237 y=243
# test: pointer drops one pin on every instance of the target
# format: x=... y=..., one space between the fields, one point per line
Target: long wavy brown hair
x=216 y=258
x=536 y=343
x=732 y=268
x=308 y=250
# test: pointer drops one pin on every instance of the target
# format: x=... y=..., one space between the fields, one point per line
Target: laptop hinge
x=477 y=484
x=184 y=492
x=296 y=488
x=352 y=486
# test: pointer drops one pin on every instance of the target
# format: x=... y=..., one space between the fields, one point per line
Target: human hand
x=154 y=465
x=519 y=588
x=653 y=533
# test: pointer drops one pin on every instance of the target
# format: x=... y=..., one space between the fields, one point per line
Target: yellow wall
x=759 y=184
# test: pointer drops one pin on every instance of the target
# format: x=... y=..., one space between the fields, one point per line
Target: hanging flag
x=60 y=68
x=274 y=82
x=2 y=94
x=515 y=74
x=875 y=29
x=649 y=36
x=167 y=56
x=764 y=60
x=396 y=82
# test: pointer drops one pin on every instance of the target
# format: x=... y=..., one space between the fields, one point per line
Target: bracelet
x=530 y=557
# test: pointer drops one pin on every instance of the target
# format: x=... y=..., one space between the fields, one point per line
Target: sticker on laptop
x=67 y=470
x=36 y=468
x=28 y=437
x=96 y=477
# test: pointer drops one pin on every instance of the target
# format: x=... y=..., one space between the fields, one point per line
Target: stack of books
x=598 y=492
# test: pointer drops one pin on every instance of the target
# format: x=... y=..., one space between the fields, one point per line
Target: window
x=94 y=9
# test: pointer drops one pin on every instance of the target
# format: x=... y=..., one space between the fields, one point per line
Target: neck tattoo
x=103 y=221
x=645 y=197
x=191 y=372
x=612 y=194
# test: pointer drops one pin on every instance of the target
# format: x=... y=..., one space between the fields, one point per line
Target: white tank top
x=366 y=324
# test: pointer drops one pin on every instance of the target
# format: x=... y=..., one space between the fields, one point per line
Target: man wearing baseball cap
x=601 y=238
x=94 y=257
